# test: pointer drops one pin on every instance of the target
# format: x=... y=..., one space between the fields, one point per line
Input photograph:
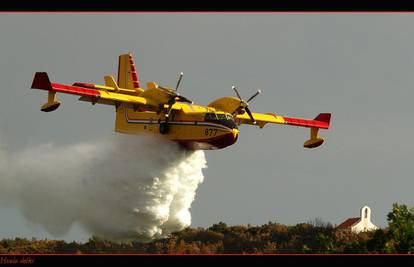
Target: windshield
x=223 y=119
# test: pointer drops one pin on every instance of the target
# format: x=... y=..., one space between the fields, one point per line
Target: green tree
x=401 y=228
x=378 y=242
x=325 y=243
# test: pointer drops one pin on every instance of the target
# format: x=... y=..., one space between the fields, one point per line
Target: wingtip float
x=160 y=110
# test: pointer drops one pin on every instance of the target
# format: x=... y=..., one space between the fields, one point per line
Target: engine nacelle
x=227 y=104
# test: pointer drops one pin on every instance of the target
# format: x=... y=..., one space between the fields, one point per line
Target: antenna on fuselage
x=173 y=97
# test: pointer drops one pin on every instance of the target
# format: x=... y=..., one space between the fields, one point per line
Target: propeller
x=244 y=105
x=174 y=96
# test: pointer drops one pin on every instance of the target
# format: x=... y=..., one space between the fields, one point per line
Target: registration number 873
x=210 y=132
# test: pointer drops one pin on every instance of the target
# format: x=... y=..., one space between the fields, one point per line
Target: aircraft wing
x=322 y=121
x=41 y=81
x=261 y=119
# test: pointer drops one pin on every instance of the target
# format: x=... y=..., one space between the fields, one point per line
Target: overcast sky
x=359 y=67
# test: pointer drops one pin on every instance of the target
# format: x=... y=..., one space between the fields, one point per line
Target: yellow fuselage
x=198 y=128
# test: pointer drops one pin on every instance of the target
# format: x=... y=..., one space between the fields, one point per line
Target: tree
x=324 y=243
x=220 y=227
x=401 y=228
x=378 y=242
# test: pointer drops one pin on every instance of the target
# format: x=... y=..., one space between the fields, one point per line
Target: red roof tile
x=348 y=223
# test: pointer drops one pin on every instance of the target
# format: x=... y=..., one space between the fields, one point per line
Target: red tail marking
x=86 y=85
x=75 y=90
x=134 y=73
x=41 y=81
x=321 y=121
x=325 y=117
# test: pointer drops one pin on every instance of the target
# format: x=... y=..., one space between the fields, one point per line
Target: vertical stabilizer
x=127 y=74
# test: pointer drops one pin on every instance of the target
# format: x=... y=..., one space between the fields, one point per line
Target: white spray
x=121 y=188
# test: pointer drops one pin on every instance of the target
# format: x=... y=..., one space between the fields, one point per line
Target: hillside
x=312 y=237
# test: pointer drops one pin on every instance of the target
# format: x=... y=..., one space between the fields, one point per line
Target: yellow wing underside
x=117 y=97
x=261 y=119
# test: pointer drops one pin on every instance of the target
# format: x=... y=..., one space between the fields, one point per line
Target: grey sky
x=357 y=66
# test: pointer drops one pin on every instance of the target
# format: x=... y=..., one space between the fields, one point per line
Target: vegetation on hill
x=311 y=237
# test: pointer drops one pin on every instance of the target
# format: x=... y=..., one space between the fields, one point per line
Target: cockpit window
x=223 y=119
x=211 y=116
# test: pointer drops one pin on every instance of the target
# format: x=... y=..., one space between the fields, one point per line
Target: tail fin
x=127 y=75
x=41 y=81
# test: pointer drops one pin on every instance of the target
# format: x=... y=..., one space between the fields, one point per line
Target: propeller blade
x=179 y=81
x=250 y=115
x=237 y=92
x=253 y=96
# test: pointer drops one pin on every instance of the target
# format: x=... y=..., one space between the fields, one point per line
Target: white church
x=359 y=224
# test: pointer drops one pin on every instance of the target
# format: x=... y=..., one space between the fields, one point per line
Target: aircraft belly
x=204 y=137
x=189 y=134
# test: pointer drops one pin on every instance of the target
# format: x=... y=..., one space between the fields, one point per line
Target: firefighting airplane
x=162 y=111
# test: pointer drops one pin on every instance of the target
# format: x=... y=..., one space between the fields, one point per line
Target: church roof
x=348 y=223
